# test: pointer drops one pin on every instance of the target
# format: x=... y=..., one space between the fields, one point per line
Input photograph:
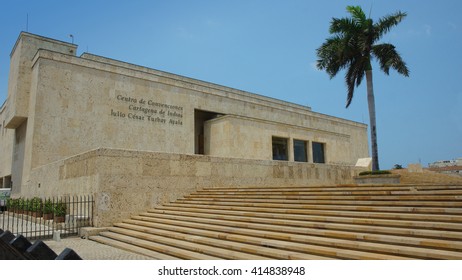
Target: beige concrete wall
x=6 y=150
x=78 y=108
x=240 y=137
x=127 y=109
x=127 y=182
x=19 y=152
x=19 y=80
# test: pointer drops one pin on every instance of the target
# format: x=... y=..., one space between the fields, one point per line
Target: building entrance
x=200 y=117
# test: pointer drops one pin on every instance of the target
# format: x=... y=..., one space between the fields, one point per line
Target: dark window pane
x=300 y=153
x=280 y=149
x=318 y=152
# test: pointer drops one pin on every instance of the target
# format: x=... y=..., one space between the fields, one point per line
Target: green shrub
x=59 y=209
x=48 y=206
x=21 y=204
x=12 y=203
x=35 y=204
x=378 y=172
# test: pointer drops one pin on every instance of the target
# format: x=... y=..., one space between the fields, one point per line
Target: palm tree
x=352 y=46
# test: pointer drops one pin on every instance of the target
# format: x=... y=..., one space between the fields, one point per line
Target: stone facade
x=6 y=152
x=61 y=106
x=132 y=181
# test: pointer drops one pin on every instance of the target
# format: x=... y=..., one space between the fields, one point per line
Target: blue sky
x=269 y=47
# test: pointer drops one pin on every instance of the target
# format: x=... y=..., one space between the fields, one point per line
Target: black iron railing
x=41 y=218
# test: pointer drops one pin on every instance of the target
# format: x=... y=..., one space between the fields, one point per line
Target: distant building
x=447 y=166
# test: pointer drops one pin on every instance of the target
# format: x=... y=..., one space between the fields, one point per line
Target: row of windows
x=301 y=150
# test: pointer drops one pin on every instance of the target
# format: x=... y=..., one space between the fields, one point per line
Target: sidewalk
x=86 y=249
x=91 y=250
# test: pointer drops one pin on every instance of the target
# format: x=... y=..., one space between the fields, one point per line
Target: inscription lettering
x=135 y=117
x=126 y=99
x=149 y=110
x=117 y=114
x=156 y=119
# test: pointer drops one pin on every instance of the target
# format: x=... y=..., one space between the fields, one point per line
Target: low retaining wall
x=377 y=179
x=126 y=182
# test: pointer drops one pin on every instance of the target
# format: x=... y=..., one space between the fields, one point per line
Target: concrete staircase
x=427 y=177
x=334 y=222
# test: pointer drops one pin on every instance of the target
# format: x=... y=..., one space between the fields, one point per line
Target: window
x=318 y=153
x=300 y=152
x=280 y=148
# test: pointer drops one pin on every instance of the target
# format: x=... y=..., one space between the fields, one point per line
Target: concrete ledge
x=378 y=179
x=85 y=232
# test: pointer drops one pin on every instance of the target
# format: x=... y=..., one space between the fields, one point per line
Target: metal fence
x=40 y=218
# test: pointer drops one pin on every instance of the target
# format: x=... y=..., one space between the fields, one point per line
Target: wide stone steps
x=126 y=244
x=207 y=242
x=332 y=222
x=265 y=245
x=336 y=188
x=431 y=196
x=370 y=207
x=136 y=239
x=316 y=237
x=406 y=228
x=427 y=177
x=408 y=215
x=307 y=227
x=324 y=201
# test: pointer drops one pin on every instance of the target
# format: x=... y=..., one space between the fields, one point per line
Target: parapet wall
x=127 y=182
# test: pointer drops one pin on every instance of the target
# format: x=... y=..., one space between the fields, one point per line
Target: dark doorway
x=200 y=117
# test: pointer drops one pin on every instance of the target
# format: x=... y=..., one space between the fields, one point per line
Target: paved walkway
x=91 y=250
x=86 y=249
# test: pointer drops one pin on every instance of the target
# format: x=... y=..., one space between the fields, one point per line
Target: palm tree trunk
x=373 y=126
